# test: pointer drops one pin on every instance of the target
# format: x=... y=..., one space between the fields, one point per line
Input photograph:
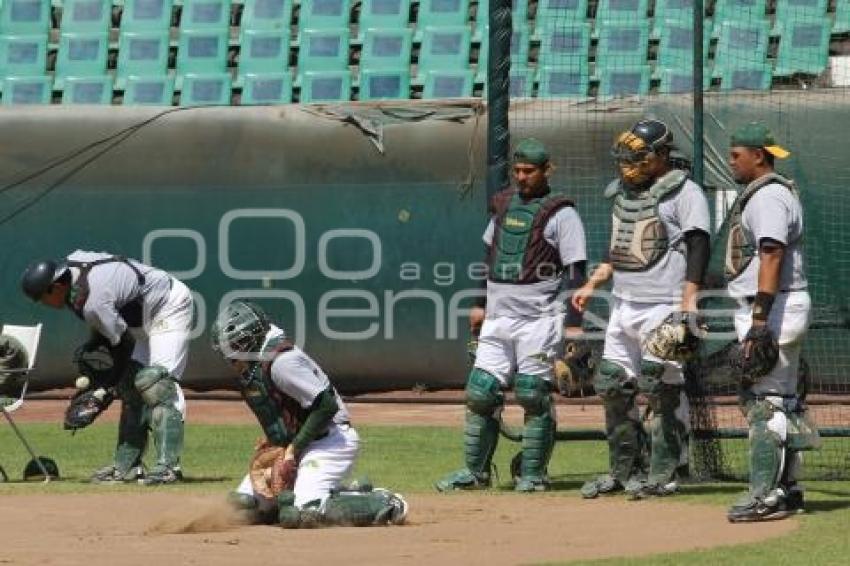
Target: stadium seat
x=86 y=15
x=205 y=15
x=384 y=84
x=87 y=90
x=441 y=13
x=264 y=51
x=842 y=17
x=676 y=45
x=740 y=11
x=386 y=49
x=24 y=16
x=444 y=48
x=456 y=83
x=679 y=80
x=622 y=45
x=146 y=15
x=794 y=10
x=519 y=51
x=324 y=14
x=384 y=14
x=205 y=89
x=323 y=50
x=559 y=13
x=141 y=53
x=27 y=90
x=803 y=47
x=81 y=54
x=565 y=45
x=149 y=91
x=522 y=82
x=266 y=88
x=752 y=77
x=675 y=10
x=325 y=86
x=563 y=82
x=23 y=55
x=267 y=15
x=624 y=81
x=202 y=51
x=622 y=10
x=741 y=44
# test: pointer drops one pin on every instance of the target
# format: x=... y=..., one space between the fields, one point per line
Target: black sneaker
x=755 y=509
x=794 y=501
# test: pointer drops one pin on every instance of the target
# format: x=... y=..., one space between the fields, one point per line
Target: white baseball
x=82 y=382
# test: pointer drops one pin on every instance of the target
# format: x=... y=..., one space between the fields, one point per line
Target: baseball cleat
x=463 y=479
x=162 y=476
x=113 y=475
x=395 y=512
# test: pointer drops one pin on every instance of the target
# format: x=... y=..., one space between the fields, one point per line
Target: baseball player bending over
x=658 y=255
x=309 y=437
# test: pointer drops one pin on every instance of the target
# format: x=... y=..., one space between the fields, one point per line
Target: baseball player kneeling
x=310 y=446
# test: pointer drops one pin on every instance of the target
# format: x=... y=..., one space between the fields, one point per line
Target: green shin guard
x=668 y=436
x=484 y=401
x=538 y=438
x=625 y=434
x=158 y=390
x=357 y=509
x=766 y=451
x=132 y=431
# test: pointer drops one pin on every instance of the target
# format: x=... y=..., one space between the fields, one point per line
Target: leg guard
x=625 y=434
x=538 y=438
x=132 y=434
x=767 y=450
x=668 y=435
x=349 y=508
x=159 y=392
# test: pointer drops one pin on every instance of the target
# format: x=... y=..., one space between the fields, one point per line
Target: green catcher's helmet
x=240 y=328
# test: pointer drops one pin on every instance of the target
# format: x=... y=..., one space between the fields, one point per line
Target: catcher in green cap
x=766 y=274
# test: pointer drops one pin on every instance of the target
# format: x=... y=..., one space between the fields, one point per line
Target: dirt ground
x=467 y=528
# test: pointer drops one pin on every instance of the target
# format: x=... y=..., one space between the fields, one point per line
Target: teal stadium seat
x=448 y=83
x=141 y=53
x=750 y=77
x=622 y=10
x=81 y=54
x=149 y=91
x=202 y=51
x=563 y=82
x=325 y=86
x=842 y=17
x=27 y=90
x=679 y=80
x=386 y=48
x=522 y=82
x=264 y=51
x=624 y=81
x=741 y=45
x=444 y=48
x=793 y=10
x=205 y=89
x=384 y=84
x=676 y=45
x=25 y=17
x=87 y=90
x=266 y=88
x=622 y=45
x=803 y=47
x=86 y=15
x=23 y=55
x=146 y=15
x=323 y=50
x=560 y=12
x=205 y=15
x=675 y=10
x=740 y=11
x=384 y=14
x=324 y=14
x=438 y=13
x=267 y=15
x=565 y=45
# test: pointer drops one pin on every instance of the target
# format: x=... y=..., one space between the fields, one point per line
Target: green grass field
x=408 y=459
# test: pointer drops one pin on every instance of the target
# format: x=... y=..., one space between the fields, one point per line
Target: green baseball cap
x=756 y=134
x=530 y=150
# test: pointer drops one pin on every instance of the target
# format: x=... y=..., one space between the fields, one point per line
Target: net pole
x=698 y=110
x=498 y=96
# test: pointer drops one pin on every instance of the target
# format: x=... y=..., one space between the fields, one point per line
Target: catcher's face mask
x=635 y=160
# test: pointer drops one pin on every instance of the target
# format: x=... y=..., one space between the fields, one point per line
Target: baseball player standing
x=299 y=409
x=657 y=257
x=535 y=249
x=144 y=316
x=764 y=267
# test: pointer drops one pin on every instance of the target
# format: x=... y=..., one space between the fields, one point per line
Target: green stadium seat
x=24 y=17
x=324 y=14
x=741 y=44
x=267 y=15
x=519 y=51
x=803 y=47
x=740 y=11
x=793 y=10
x=752 y=77
x=323 y=50
x=87 y=90
x=622 y=45
x=146 y=15
x=264 y=51
x=149 y=91
x=439 y=13
x=266 y=88
x=679 y=80
x=676 y=45
x=842 y=17
x=675 y=10
x=141 y=53
x=205 y=89
x=563 y=82
x=624 y=81
x=444 y=48
x=522 y=82
x=81 y=54
x=202 y=51
x=448 y=83
x=384 y=14
x=325 y=86
x=622 y=10
x=386 y=49
x=205 y=15
x=86 y=15
x=559 y=13
x=565 y=45
x=384 y=84
x=23 y=55
x=27 y=90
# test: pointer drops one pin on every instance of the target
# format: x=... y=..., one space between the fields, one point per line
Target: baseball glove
x=271 y=472
x=86 y=405
x=575 y=370
x=676 y=338
x=755 y=356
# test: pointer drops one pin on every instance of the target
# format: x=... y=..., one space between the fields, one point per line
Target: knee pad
x=649 y=380
x=155 y=385
x=483 y=393
x=532 y=394
x=612 y=380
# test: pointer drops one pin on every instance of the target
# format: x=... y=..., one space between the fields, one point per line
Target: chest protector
x=132 y=312
x=280 y=415
x=638 y=237
x=520 y=254
x=739 y=250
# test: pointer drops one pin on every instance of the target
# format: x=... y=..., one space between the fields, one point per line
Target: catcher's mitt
x=271 y=472
x=676 y=338
x=86 y=405
x=755 y=356
x=574 y=372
